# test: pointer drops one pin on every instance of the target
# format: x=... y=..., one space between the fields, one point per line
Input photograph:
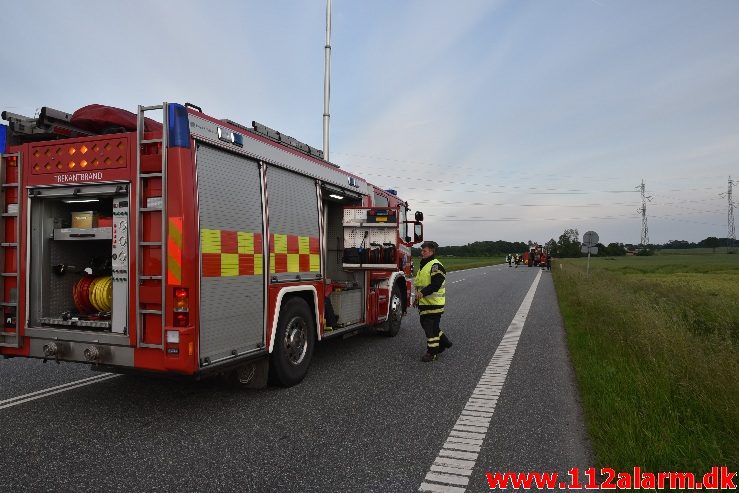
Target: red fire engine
x=535 y=256
x=193 y=246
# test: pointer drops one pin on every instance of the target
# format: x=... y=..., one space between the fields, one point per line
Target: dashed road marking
x=452 y=468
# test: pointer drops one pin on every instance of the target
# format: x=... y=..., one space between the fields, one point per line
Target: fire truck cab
x=189 y=245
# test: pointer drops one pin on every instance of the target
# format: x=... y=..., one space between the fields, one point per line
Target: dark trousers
x=435 y=338
x=328 y=312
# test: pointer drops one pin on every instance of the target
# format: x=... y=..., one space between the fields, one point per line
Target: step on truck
x=183 y=244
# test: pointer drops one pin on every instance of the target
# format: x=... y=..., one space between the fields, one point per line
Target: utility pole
x=643 y=210
x=327 y=81
x=731 y=236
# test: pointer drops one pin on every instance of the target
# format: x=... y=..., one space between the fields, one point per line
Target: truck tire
x=395 y=313
x=294 y=342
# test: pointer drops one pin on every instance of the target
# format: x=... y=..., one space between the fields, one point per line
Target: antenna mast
x=327 y=81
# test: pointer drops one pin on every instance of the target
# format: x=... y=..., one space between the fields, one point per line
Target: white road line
x=453 y=465
x=40 y=394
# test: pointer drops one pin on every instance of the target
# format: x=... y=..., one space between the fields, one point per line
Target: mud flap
x=252 y=375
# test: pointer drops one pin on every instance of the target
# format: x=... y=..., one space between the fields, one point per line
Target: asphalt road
x=369 y=417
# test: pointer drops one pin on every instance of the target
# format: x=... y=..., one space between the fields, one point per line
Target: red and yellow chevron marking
x=231 y=253
x=174 y=251
x=292 y=253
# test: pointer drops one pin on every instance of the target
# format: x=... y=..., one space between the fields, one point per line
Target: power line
x=455 y=168
x=680 y=218
x=505 y=188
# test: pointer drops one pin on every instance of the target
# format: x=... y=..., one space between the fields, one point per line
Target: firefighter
x=509 y=259
x=430 y=296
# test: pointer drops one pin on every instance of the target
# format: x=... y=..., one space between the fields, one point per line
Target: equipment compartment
x=74 y=271
x=370 y=238
x=348 y=306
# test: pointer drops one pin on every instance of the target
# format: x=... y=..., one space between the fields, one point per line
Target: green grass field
x=692 y=251
x=654 y=344
x=459 y=263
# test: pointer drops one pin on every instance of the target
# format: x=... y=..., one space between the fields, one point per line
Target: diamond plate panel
x=109 y=153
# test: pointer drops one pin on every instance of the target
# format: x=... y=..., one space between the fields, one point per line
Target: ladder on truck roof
x=11 y=213
x=142 y=208
x=50 y=124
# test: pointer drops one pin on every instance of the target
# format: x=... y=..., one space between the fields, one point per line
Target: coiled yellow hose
x=101 y=293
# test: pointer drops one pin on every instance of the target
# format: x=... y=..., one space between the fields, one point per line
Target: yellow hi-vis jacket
x=434 y=302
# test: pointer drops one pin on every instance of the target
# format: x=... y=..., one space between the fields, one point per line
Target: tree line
x=567 y=245
x=480 y=249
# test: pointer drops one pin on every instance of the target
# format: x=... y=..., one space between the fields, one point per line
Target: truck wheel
x=395 y=314
x=294 y=341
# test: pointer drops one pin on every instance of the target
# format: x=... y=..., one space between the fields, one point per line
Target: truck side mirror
x=418 y=232
x=419 y=216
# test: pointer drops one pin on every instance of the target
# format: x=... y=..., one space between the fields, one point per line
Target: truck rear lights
x=181 y=300
x=181 y=319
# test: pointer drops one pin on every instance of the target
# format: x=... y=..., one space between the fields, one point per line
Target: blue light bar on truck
x=179 y=126
x=3 y=138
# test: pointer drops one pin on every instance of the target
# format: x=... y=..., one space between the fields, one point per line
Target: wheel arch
x=309 y=294
x=398 y=279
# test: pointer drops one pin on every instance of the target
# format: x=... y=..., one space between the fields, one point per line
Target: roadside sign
x=590 y=239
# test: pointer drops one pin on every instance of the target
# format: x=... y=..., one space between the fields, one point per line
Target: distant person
x=430 y=295
x=517 y=260
x=549 y=262
x=509 y=259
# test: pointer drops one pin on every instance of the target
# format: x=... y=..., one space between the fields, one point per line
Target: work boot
x=428 y=357
x=445 y=342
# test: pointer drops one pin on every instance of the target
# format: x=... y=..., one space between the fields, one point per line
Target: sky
x=500 y=120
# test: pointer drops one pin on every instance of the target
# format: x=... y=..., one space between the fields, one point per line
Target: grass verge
x=654 y=345
x=460 y=263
